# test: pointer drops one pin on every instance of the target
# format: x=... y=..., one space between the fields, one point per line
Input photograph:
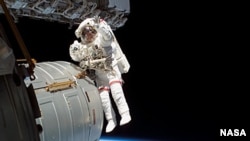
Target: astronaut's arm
x=76 y=52
x=105 y=32
x=103 y=28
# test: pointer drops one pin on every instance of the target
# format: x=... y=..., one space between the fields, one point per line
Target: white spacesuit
x=99 y=51
x=7 y=58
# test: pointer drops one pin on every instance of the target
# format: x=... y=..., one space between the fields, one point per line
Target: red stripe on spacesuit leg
x=115 y=81
x=103 y=89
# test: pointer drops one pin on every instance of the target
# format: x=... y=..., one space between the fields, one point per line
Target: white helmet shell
x=86 y=22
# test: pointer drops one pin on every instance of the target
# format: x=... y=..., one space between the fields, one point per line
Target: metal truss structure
x=115 y=12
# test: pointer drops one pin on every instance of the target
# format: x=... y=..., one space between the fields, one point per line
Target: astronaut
x=7 y=58
x=99 y=51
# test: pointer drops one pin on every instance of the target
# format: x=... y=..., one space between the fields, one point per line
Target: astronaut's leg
x=108 y=110
x=120 y=101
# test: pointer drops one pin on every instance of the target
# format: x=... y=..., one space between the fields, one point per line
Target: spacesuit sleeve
x=105 y=31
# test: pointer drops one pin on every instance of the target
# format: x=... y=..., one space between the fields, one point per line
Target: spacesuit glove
x=75 y=46
x=96 y=22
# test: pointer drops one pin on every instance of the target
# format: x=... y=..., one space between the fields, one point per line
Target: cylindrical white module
x=70 y=106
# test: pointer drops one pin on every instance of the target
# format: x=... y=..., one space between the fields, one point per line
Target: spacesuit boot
x=119 y=98
x=125 y=118
x=108 y=111
x=110 y=126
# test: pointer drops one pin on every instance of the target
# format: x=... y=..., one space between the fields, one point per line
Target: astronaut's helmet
x=89 y=33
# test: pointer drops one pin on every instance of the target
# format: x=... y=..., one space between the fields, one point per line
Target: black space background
x=188 y=72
